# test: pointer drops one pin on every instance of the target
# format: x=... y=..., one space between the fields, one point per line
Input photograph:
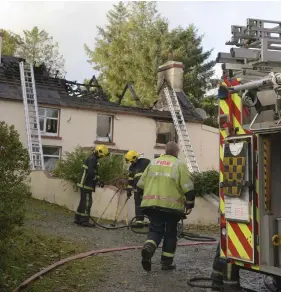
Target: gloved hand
x=129 y=194
x=100 y=184
x=188 y=211
x=188 y=208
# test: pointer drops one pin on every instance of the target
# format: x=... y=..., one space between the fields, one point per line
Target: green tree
x=14 y=169
x=128 y=50
x=136 y=41
x=186 y=46
x=10 y=43
x=38 y=47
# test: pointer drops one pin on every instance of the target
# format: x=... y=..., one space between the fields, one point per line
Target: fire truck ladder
x=181 y=129
x=31 y=116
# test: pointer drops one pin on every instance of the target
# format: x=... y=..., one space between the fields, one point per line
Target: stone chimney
x=172 y=71
x=1 y=35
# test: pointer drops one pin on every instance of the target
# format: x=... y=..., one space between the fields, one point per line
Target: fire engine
x=250 y=147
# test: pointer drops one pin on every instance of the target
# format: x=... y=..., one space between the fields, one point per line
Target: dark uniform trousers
x=224 y=273
x=87 y=184
x=163 y=225
x=84 y=208
x=135 y=171
x=138 y=211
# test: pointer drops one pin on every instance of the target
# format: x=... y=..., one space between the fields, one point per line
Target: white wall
x=57 y=191
x=78 y=127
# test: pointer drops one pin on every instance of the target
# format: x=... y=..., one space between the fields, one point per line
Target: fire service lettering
x=164 y=163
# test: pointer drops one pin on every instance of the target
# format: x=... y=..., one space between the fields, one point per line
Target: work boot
x=232 y=286
x=167 y=267
x=138 y=224
x=88 y=224
x=77 y=219
x=147 y=254
x=167 y=263
x=217 y=285
x=217 y=280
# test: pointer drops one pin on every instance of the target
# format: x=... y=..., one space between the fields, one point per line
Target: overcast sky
x=74 y=23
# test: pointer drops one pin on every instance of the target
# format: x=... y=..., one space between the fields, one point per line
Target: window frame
x=102 y=139
x=45 y=118
x=49 y=155
x=166 y=122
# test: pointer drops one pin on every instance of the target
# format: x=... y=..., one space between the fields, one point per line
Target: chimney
x=1 y=35
x=172 y=71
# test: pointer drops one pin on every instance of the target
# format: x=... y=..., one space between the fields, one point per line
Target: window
x=165 y=133
x=51 y=155
x=104 y=128
x=49 y=121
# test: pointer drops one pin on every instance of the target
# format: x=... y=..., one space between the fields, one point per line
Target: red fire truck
x=250 y=148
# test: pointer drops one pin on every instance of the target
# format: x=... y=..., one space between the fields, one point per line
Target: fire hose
x=117 y=214
x=181 y=233
x=91 y=253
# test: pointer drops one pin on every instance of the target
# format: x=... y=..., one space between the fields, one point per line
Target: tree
x=38 y=47
x=10 y=43
x=136 y=41
x=128 y=50
x=14 y=169
x=185 y=46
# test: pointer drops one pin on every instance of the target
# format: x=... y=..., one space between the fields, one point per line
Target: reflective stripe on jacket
x=165 y=182
x=89 y=173
x=135 y=172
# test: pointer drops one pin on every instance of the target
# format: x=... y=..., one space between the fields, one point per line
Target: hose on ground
x=87 y=254
x=108 y=227
x=180 y=232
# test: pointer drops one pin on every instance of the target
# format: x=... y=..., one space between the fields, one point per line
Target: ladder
x=181 y=129
x=31 y=116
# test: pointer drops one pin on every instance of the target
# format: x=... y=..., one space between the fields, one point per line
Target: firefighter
x=224 y=274
x=168 y=194
x=136 y=169
x=89 y=179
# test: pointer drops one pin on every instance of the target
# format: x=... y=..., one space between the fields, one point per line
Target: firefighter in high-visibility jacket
x=89 y=179
x=168 y=195
x=136 y=169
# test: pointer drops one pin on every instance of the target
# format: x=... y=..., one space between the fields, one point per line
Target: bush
x=112 y=169
x=14 y=169
x=206 y=183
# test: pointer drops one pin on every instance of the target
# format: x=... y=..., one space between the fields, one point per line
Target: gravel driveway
x=124 y=271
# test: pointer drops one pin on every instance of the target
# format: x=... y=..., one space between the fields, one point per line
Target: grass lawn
x=31 y=250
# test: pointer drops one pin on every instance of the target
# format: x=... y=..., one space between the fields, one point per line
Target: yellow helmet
x=102 y=150
x=131 y=156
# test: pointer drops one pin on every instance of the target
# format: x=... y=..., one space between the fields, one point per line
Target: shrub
x=206 y=182
x=112 y=169
x=14 y=169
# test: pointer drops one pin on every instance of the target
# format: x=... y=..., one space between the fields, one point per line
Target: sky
x=72 y=24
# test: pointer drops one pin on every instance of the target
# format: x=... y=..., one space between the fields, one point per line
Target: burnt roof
x=58 y=92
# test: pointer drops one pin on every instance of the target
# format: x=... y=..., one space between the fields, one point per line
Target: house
x=68 y=120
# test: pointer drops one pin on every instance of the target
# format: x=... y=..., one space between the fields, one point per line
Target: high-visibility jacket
x=166 y=183
x=89 y=173
x=135 y=172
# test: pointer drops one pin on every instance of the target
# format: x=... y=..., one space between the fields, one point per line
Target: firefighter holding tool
x=89 y=179
x=168 y=195
x=136 y=169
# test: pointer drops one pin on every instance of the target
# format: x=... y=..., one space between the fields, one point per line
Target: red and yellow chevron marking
x=240 y=241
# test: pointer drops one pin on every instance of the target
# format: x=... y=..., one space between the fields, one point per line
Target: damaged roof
x=58 y=92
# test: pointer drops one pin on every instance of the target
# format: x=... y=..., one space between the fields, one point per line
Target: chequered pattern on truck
x=240 y=239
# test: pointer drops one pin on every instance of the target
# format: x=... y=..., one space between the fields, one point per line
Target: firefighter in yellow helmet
x=168 y=194
x=89 y=179
x=136 y=169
